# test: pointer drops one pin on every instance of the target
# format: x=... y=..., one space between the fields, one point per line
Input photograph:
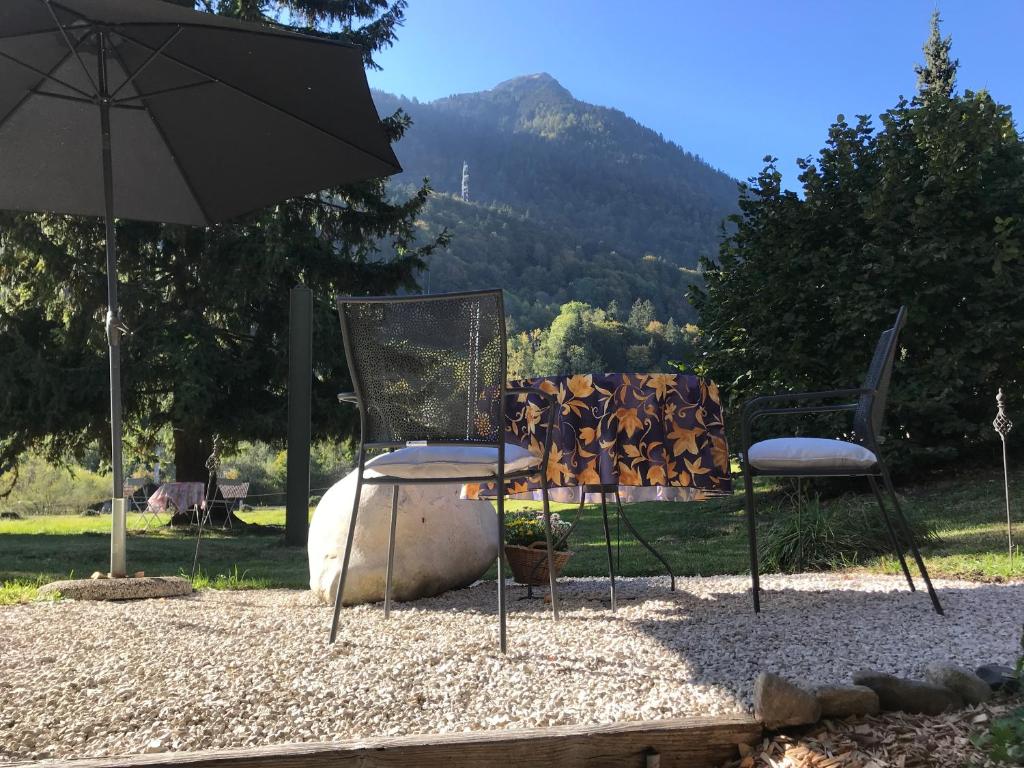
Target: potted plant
x=526 y=546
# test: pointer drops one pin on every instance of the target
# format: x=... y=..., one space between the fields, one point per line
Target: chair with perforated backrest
x=820 y=457
x=429 y=379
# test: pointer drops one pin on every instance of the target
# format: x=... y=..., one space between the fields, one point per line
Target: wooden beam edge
x=706 y=732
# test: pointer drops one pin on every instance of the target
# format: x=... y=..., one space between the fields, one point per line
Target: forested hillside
x=591 y=172
x=541 y=268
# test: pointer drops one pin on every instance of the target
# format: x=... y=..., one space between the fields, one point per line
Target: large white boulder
x=442 y=542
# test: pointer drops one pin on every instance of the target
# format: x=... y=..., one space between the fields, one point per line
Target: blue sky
x=730 y=81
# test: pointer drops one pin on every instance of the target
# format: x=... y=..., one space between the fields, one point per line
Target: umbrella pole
x=118 y=522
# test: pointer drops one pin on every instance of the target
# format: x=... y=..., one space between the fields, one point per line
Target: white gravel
x=229 y=669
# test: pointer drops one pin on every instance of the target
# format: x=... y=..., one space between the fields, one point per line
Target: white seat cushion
x=799 y=453
x=439 y=461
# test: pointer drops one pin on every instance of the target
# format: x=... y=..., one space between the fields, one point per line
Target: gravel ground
x=227 y=669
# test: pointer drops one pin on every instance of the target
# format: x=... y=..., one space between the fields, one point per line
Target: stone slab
x=133 y=588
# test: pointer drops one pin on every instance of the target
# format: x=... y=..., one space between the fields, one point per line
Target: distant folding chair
x=150 y=517
x=818 y=457
x=232 y=496
x=131 y=487
x=429 y=379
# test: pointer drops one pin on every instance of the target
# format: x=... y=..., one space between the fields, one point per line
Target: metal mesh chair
x=429 y=380
x=816 y=457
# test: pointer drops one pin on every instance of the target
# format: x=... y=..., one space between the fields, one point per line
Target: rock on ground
x=846 y=700
x=442 y=542
x=913 y=696
x=999 y=677
x=971 y=688
x=778 y=702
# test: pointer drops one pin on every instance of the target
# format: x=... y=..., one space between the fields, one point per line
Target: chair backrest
x=427 y=367
x=867 y=419
x=233 y=490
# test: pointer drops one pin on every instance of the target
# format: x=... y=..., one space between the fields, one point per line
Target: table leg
x=559 y=543
x=608 y=546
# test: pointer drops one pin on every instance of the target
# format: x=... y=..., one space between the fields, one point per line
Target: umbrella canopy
x=209 y=117
x=140 y=109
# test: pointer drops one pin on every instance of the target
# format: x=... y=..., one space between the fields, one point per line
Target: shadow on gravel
x=824 y=636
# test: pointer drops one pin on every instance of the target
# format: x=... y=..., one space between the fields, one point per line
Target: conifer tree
x=937 y=75
x=208 y=308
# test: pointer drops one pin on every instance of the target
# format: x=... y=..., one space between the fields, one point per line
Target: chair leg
x=348 y=551
x=913 y=544
x=551 y=556
x=391 y=552
x=755 y=580
x=608 y=548
x=502 y=628
x=897 y=547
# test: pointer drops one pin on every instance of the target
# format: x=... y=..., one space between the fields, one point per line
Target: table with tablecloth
x=656 y=436
x=636 y=436
x=180 y=497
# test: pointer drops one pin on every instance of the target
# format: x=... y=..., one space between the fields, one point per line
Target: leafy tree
x=585 y=339
x=208 y=308
x=925 y=211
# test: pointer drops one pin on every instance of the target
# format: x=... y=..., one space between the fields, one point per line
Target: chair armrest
x=349 y=398
x=552 y=402
x=783 y=397
x=755 y=409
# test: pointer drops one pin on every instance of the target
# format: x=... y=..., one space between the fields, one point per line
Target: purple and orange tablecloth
x=657 y=436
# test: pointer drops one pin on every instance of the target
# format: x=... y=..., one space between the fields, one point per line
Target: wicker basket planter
x=530 y=564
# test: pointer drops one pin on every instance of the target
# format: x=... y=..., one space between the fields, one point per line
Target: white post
x=118 y=526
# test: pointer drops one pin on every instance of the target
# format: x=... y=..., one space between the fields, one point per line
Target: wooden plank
x=693 y=742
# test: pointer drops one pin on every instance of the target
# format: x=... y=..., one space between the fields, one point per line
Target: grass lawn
x=698 y=538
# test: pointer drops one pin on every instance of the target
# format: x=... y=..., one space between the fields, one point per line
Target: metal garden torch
x=1003 y=425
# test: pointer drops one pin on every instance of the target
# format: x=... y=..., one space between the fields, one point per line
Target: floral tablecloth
x=657 y=436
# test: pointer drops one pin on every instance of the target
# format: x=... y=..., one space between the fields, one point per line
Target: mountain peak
x=539 y=83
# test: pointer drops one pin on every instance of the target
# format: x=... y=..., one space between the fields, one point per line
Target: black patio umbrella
x=140 y=109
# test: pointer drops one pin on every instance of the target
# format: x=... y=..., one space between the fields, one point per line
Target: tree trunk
x=191 y=450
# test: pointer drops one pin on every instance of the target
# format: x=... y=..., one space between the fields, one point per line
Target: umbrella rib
x=77 y=100
x=67 y=41
x=49 y=75
x=262 y=101
x=4 y=118
x=170 y=149
x=146 y=63
x=162 y=91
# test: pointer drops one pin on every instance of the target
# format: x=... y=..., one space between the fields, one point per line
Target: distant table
x=635 y=436
x=179 y=496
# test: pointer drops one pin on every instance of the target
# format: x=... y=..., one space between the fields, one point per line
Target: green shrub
x=43 y=489
x=809 y=536
x=524 y=527
x=264 y=467
x=1004 y=741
